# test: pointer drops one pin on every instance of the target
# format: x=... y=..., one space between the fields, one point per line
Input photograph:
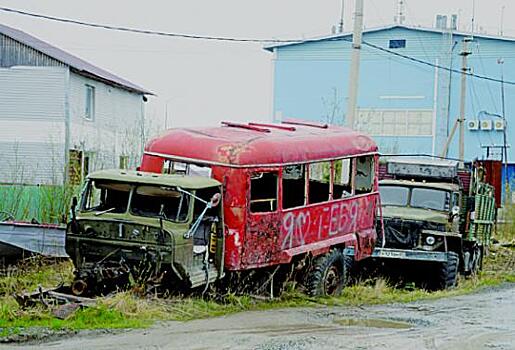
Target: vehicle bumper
x=403 y=254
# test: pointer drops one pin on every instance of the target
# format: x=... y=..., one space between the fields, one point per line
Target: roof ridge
x=69 y=59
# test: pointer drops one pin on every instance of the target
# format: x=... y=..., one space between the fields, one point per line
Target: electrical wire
x=143 y=31
x=414 y=59
x=247 y=40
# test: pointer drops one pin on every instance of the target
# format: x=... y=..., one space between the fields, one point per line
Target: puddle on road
x=373 y=323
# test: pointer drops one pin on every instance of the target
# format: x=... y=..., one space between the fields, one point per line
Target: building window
x=263 y=192
x=319 y=182
x=89 y=112
x=79 y=165
x=294 y=186
x=389 y=122
x=74 y=166
x=397 y=44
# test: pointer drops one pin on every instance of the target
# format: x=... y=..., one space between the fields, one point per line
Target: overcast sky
x=204 y=82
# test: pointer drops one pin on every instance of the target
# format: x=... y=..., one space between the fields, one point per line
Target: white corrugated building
x=61 y=117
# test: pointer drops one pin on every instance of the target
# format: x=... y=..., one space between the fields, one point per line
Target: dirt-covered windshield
x=156 y=201
x=394 y=195
x=105 y=196
x=429 y=198
x=425 y=198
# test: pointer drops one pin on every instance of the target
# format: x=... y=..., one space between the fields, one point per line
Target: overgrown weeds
x=505 y=232
x=43 y=203
x=130 y=310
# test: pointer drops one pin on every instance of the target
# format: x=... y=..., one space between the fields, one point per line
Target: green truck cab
x=435 y=213
x=145 y=227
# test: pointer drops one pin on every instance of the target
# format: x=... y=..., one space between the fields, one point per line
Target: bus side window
x=364 y=174
x=263 y=192
x=319 y=182
x=342 y=186
x=294 y=186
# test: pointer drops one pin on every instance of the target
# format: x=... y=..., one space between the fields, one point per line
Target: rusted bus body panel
x=235 y=213
x=312 y=229
x=255 y=240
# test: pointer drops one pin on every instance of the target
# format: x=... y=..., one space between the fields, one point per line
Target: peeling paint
x=264 y=239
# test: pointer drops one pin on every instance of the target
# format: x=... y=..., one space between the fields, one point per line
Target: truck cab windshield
x=430 y=198
x=157 y=201
x=394 y=195
x=425 y=198
x=104 y=196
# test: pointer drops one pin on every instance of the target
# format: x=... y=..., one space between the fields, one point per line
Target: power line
x=414 y=59
x=247 y=40
x=143 y=31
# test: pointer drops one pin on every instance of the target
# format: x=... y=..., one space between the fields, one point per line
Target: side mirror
x=455 y=213
x=74 y=203
x=215 y=200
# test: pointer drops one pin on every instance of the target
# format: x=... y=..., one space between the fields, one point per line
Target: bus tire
x=328 y=274
x=448 y=272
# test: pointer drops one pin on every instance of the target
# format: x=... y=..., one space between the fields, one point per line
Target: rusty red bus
x=291 y=191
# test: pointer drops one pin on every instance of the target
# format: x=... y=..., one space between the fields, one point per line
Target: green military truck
x=437 y=214
x=128 y=223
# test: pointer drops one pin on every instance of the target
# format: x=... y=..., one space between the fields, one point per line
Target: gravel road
x=484 y=320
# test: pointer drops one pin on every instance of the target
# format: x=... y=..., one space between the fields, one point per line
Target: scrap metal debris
x=57 y=299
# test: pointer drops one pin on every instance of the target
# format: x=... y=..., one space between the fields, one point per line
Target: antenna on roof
x=400 y=12
x=473 y=16
x=340 y=24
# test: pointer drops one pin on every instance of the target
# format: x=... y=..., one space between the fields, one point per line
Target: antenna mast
x=340 y=24
x=400 y=12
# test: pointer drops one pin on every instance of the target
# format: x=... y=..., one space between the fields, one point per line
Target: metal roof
x=252 y=145
x=388 y=27
x=141 y=177
x=80 y=66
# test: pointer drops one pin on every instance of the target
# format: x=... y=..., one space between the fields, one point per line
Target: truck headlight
x=430 y=240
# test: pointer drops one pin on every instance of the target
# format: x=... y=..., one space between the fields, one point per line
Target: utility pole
x=465 y=70
x=461 y=118
x=354 y=67
x=504 y=157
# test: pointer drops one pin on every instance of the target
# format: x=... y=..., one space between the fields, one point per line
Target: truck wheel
x=448 y=272
x=329 y=274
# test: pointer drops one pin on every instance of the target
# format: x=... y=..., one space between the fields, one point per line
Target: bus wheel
x=329 y=274
x=448 y=272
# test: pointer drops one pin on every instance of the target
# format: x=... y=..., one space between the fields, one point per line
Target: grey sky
x=204 y=82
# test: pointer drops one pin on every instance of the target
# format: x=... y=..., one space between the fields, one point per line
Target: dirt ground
x=484 y=320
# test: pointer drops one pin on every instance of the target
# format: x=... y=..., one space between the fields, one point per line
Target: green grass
x=128 y=310
x=45 y=203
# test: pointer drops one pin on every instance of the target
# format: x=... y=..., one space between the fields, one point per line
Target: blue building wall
x=310 y=82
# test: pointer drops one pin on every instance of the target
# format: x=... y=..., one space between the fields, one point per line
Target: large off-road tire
x=448 y=272
x=329 y=274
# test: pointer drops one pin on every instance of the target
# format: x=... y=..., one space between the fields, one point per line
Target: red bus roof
x=254 y=144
